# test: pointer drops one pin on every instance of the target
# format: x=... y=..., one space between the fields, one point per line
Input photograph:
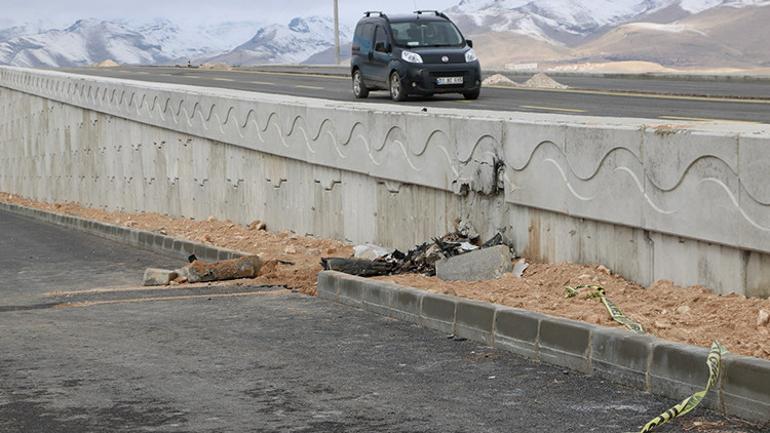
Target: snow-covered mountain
x=570 y=22
x=162 y=41
x=680 y=33
x=85 y=42
x=669 y=32
x=195 y=42
x=295 y=42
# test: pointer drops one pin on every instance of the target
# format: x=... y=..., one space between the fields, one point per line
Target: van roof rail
x=433 y=11
x=369 y=13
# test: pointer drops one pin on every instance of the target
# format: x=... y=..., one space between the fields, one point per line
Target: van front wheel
x=472 y=95
x=359 y=88
x=397 y=88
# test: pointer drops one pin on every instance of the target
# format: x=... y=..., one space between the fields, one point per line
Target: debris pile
x=499 y=80
x=199 y=271
x=543 y=81
x=109 y=63
x=421 y=259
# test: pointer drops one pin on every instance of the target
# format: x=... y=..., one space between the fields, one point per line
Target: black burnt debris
x=420 y=259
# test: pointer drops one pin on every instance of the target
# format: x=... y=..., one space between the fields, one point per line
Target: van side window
x=380 y=38
x=363 y=38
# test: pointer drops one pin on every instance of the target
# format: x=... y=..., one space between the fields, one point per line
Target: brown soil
x=693 y=315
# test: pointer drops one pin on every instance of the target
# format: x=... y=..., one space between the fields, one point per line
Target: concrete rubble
x=425 y=258
x=159 y=277
x=483 y=264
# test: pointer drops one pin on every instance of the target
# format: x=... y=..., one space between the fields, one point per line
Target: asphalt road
x=572 y=101
x=670 y=84
x=271 y=361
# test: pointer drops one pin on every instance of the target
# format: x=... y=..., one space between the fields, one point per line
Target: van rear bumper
x=421 y=79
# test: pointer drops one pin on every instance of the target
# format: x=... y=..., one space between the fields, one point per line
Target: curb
x=644 y=362
x=138 y=238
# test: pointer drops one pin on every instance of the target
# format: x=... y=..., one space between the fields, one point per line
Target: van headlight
x=470 y=56
x=411 y=57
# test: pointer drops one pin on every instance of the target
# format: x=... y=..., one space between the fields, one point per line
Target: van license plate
x=443 y=81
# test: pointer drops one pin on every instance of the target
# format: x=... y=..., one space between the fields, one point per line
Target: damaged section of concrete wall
x=653 y=201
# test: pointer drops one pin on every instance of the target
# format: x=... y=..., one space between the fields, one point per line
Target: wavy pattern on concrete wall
x=710 y=183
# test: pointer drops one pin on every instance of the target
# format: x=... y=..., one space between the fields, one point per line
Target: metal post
x=337 y=31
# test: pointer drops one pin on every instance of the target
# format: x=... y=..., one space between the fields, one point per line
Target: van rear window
x=426 y=34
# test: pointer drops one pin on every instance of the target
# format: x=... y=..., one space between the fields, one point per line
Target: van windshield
x=426 y=34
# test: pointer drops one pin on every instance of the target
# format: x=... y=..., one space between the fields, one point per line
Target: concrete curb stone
x=438 y=312
x=680 y=370
x=641 y=361
x=746 y=387
x=475 y=321
x=619 y=354
x=566 y=343
x=518 y=331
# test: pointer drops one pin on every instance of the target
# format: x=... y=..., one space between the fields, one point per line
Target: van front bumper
x=422 y=79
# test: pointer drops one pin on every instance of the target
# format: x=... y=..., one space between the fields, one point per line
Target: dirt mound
x=107 y=64
x=216 y=66
x=543 y=81
x=500 y=80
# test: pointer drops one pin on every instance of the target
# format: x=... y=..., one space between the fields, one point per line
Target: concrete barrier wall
x=689 y=203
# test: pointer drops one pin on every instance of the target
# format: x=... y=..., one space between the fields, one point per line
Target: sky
x=63 y=12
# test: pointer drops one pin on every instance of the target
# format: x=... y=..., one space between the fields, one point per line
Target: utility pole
x=337 y=31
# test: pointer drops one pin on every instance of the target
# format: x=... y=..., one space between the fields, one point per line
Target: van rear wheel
x=360 y=91
x=397 y=88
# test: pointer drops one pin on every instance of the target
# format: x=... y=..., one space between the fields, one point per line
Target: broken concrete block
x=158 y=277
x=483 y=264
x=200 y=271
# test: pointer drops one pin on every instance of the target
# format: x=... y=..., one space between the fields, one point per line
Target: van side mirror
x=382 y=47
x=469 y=42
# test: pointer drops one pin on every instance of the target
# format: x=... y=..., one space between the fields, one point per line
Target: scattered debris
x=543 y=81
x=499 y=80
x=684 y=309
x=764 y=318
x=662 y=324
x=159 y=277
x=421 y=259
x=604 y=270
x=360 y=267
x=257 y=225
x=520 y=267
x=370 y=251
x=200 y=272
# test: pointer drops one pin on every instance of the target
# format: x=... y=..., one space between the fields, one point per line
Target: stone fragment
x=763 y=319
x=158 y=277
x=484 y=264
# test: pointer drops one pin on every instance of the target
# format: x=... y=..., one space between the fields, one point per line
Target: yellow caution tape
x=714 y=362
x=615 y=312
